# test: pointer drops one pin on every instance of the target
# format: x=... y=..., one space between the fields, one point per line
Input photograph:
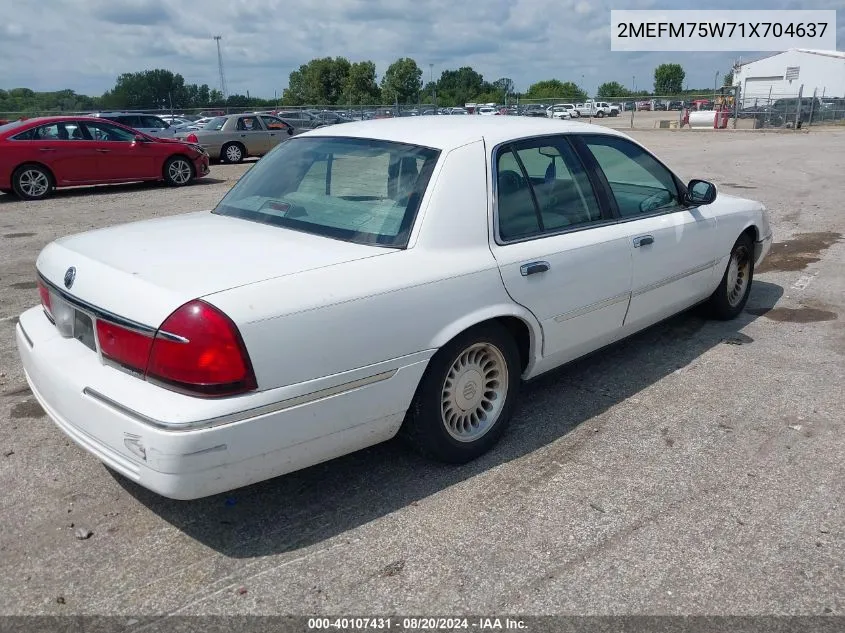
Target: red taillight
x=192 y=138
x=45 y=296
x=198 y=349
x=124 y=346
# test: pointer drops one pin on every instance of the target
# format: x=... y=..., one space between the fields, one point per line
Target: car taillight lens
x=192 y=138
x=199 y=350
x=45 y=297
x=124 y=346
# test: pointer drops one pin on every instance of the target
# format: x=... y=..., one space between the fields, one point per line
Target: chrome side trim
x=598 y=305
x=672 y=278
x=98 y=312
x=239 y=416
x=26 y=336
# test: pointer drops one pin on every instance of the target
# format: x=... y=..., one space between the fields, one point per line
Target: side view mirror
x=140 y=139
x=700 y=192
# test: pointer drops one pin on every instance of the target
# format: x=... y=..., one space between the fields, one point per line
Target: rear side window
x=542 y=187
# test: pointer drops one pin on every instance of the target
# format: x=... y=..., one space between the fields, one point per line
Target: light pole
x=634 y=83
x=715 y=84
x=431 y=81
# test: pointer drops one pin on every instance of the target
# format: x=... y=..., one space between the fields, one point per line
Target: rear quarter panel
x=344 y=317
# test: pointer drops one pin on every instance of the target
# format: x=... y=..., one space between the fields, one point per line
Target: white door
x=672 y=244
x=561 y=255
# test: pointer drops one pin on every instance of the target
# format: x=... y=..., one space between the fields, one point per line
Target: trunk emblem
x=70 y=275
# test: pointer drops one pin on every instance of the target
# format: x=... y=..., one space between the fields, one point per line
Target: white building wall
x=826 y=73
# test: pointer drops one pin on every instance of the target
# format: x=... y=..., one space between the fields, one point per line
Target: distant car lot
x=626 y=479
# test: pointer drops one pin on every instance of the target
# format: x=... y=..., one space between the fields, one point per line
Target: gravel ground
x=694 y=469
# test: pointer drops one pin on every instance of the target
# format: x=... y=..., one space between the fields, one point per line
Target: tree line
x=332 y=81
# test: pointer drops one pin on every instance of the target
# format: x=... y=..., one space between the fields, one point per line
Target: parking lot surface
x=696 y=468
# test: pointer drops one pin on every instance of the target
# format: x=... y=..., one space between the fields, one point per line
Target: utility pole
x=220 y=67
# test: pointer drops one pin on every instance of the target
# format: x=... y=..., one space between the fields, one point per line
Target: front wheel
x=178 y=171
x=599 y=114
x=466 y=396
x=728 y=300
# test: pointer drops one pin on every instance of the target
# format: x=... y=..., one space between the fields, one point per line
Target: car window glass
x=640 y=184
x=359 y=190
x=105 y=132
x=216 y=124
x=552 y=171
x=61 y=131
x=272 y=123
x=249 y=124
x=153 y=122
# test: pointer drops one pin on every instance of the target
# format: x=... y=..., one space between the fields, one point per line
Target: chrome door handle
x=46 y=149
x=104 y=151
x=643 y=240
x=533 y=267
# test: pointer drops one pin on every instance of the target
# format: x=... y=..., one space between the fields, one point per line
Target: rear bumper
x=97 y=407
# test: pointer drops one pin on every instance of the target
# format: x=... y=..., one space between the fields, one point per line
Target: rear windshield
x=11 y=126
x=357 y=190
x=216 y=123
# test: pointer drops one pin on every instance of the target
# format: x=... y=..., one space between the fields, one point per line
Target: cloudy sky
x=85 y=44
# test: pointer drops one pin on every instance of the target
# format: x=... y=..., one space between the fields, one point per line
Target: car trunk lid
x=143 y=271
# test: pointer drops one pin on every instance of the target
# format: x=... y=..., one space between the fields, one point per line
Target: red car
x=37 y=155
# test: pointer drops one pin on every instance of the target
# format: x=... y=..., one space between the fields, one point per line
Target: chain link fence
x=721 y=108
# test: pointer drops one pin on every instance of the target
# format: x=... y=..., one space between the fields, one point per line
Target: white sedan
x=381 y=277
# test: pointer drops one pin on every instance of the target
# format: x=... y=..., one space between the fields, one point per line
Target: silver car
x=233 y=137
x=146 y=123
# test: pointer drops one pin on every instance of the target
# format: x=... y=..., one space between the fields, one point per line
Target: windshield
x=357 y=190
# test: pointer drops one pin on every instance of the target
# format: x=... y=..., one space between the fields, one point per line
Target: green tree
x=361 y=87
x=729 y=78
x=319 y=82
x=402 y=81
x=556 y=89
x=147 y=89
x=457 y=87
x=612 y=90
x=505 y=87
x=668 y=79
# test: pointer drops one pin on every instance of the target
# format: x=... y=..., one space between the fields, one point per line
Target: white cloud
x=84 y=45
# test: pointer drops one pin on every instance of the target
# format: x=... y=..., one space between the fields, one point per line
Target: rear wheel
x=599 y=114
x=32 y=182
x=730 y=297
x=466 y=397
x=232 y=153
x=178 y=171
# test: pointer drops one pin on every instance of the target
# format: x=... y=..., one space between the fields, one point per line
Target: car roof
x=447 y=133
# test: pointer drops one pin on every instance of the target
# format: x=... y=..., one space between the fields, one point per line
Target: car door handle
x=643 y=240
x=533 y=267
x=47 y=149
x=243 y=135
x=104 y=151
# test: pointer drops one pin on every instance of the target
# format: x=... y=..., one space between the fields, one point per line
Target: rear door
x=251 y=132
x=60 y=146
x=560 y=252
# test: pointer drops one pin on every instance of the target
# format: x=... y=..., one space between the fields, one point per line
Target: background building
x=782 y=74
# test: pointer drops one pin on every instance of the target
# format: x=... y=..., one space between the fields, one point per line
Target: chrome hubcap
x=739 y=269
x=474 y=392
x=233 y=153
x=34 y=183
x=179 y=172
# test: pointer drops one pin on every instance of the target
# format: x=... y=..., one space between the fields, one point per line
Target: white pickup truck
x=597 y=109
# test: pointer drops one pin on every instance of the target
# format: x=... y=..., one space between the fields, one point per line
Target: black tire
x=232 y=153
x=425 y=426
x=24 y=182
x=599 y=114
x=178 y=171
x=729 y=299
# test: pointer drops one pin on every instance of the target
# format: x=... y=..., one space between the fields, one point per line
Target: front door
x=120 y=157
x=560 y=253
x=277 y=130
x=672 y=244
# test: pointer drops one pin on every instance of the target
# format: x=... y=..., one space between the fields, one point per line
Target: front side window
x=153 y=122
x=273 y=123
x=640 y=184
x=542 y=187
x=358 y=190
x=105 y=132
